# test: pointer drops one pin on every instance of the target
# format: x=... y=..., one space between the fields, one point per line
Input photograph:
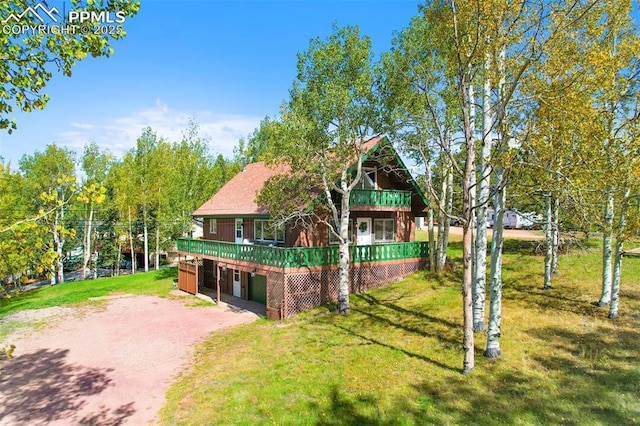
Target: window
x=333 y=239
x=238 y=229
x=266 y=230
x=369 y=178
x=383 y=230
x=213 y=226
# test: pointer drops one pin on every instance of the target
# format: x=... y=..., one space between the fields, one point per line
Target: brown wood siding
x=226 y=281
x=209 y=267
x=388 y=177
x=248 y=229
x=226 y=230
x=244 y=285
x=383 y=181
x=405 y=227
x=298 y=237
x=405 y=222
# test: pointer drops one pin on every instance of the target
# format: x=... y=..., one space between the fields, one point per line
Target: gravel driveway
x=106 y=365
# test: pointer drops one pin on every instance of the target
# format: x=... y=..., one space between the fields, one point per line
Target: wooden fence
x=187 y=272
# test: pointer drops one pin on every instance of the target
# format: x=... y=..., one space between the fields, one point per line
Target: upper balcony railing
x=380 y=198
x=295 y=257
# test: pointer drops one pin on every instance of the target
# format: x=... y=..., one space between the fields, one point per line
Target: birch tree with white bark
x=525 y=31
x=51 y=177
x=419 y=109
x=95 y=165
x=615 y=68
x=324 y=125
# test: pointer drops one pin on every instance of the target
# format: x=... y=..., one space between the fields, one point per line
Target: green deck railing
x=380 y=198
x=292 y=257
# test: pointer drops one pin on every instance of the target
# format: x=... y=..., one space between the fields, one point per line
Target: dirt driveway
x=106 y=365
x=518 y=234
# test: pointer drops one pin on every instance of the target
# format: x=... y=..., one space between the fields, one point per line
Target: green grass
x=72 y=293
x=397 y=358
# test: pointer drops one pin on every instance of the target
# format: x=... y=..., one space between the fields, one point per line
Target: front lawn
x=152 y=283
x=397 y=358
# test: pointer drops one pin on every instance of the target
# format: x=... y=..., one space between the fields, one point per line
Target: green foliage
x=331 y=112
x=258 y=146
x=30 y=59
x=300 y=194
x=192 y=177
x=7 y=353
x=46 y=208
x=577 y=137
x=34 y=230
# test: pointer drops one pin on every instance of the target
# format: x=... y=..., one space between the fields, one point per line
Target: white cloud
x=84 y=126
x=120 y=134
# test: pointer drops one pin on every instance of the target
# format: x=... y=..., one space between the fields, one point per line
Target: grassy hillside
x=397 y=358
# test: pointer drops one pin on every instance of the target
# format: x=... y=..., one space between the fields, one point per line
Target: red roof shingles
x=237 y=197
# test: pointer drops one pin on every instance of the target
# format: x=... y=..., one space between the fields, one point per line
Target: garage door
x=258 y=289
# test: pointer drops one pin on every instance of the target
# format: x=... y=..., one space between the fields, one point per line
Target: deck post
x=218 y=283
x=197 y=275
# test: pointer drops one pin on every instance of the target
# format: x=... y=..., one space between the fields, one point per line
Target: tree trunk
x=118 y=261
x=146 y=242
x=480 y=280
x=615 y=285
x=555 y=256
x=432 y=241
x=607 y=252
x=343 y=256
x=95 y=254
x=430 y=228
x=548 y=242
x=133 y=254
x=442 y=219
x=87 y=243
x=157 y=258
x=59 y=240
x=467 y=239
x=617 y=264
x=467 y=281
x=472 y=182
x=446 y=208
x=55 y=264
x=495 y=298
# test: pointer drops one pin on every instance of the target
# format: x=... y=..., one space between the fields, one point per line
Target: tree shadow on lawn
x=570 y=386
x=42 y=387
x=505 y=397
x=395 y=348
x=509 y=245
x=513 y=246
x=560 y=298
x=385 y=315
x=379 y=303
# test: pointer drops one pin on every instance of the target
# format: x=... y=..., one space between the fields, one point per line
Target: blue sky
x=225 y=63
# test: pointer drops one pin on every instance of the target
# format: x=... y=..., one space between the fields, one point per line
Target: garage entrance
x=258 y=288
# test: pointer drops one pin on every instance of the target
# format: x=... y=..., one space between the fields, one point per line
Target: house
x=290 y=269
